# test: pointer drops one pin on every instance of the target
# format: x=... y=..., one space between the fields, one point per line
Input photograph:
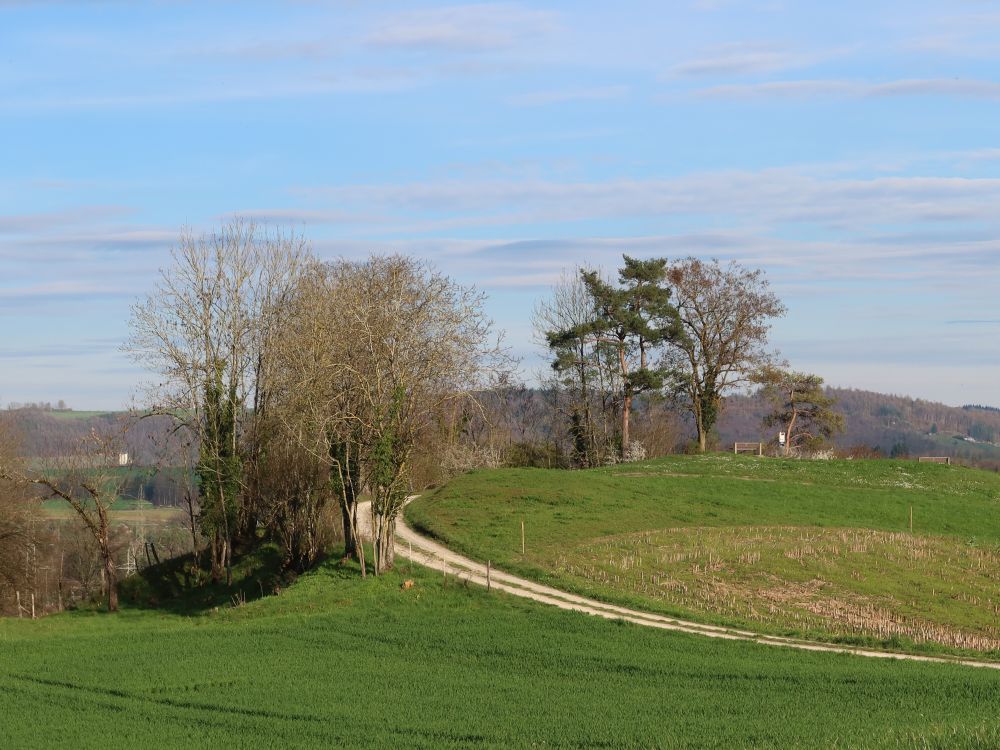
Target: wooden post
x=444 y=570
x=522 y=536
x=488 y=584
x=32 y=605
x=18 y=603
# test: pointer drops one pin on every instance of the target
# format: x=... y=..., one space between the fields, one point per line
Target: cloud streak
x=812 y=88
x=768 y=196
x=560 y=96
x=739 y=59
x=462 y=28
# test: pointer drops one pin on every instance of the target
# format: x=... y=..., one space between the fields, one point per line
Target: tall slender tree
x=633 y=320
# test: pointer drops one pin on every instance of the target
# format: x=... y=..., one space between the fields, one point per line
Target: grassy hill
x=817 y=548
x=335 y=661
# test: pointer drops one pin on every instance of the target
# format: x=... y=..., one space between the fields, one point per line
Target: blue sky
x=849 y=149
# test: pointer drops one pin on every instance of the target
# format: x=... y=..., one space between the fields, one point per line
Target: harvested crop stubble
x=841 y=581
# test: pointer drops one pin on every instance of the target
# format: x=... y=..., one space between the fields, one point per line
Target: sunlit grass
x=819 y=548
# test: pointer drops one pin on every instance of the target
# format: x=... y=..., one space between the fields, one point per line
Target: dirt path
x=414 y=546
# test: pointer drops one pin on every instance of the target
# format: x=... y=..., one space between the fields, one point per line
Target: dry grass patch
x=837 y=582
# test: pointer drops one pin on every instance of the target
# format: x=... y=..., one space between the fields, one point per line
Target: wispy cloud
x=806 y=88
x=48 y=220
x=462 y=28
x=740 y=59
x=559 y=96
x=777 y=195
x=361 y=81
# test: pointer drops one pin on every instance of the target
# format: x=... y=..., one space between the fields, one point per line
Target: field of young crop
x=334 y=661
x=816 y=548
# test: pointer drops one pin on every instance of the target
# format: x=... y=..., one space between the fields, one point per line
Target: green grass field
x=816 y=548
x=335 y=661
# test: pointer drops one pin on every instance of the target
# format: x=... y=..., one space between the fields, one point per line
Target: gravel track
x=414 y=546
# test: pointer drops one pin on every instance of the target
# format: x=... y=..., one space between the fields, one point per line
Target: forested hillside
x=875 y=422
x=892 y=425
x=46 y=436
x=53 y=433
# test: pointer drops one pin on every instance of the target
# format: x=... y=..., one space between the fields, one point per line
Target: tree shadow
x=182 y=585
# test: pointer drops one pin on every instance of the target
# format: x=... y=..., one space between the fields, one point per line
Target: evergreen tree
x=633 y=319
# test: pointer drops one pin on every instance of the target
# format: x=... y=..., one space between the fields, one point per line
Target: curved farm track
x=414 y=546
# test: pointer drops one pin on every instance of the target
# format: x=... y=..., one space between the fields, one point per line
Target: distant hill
x=48 y=433
x=45 y=435
x=891 y=424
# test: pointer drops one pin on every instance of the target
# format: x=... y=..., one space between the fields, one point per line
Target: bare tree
x=725 y=314
x=17 y=535
x=88 y=480
x=563 y=325
x=205 y=328
x=374 y=353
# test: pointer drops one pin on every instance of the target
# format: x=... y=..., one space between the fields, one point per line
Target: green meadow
x=816 y=548
x=336 y=661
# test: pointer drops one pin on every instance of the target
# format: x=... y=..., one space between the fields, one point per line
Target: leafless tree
x=17 y=528
x=584 y=380
x=89 y=482
x=205 y=330
x=725 y=313
x=374 y=353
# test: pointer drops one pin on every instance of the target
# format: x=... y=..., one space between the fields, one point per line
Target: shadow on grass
x=183 y=586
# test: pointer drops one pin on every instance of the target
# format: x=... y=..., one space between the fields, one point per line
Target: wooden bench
x=757 y=448
x=935 y=460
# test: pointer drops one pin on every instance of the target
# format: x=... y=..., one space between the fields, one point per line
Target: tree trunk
x=627 y=398
x=626 y=413
x=216 y=555
x=110 y=577
x=788 y=433
x=384 y=542
x=350 y=541
x=699 y=423
x=191 y=520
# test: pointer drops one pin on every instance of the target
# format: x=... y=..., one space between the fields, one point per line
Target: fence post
x=522 y=536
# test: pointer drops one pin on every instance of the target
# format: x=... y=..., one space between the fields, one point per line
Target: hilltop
x=898 y=554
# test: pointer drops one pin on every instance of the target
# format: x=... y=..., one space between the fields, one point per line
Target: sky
x=849 y=149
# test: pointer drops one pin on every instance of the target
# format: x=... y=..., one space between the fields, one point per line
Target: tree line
x=684 y=334
x=292 y=389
